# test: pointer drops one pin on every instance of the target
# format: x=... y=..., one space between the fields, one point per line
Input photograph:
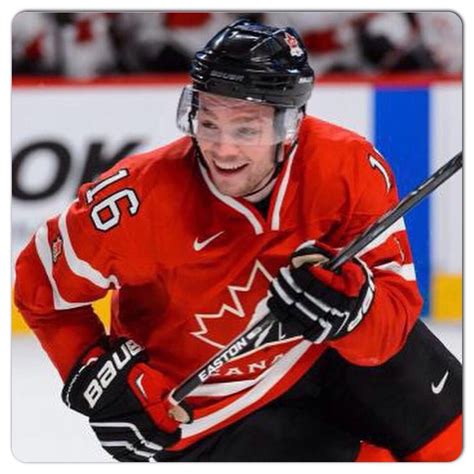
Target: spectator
x=441 y=32
x=157 y=41
x=391 y=42
x=87 y=44
x=71 y=44
x=87 y=48
x=33 y=44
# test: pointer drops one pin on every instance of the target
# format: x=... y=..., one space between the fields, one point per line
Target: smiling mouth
x=229 y=168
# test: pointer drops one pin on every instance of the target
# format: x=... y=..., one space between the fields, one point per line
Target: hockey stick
x=248 y=338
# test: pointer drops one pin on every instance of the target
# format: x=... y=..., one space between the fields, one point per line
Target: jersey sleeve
x=100 y=242
x=397 y=302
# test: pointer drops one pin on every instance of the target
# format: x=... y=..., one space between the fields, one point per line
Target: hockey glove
x=125 y=400
x=316 y=303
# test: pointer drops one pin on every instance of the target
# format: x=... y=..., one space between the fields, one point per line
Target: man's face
x=236 y=139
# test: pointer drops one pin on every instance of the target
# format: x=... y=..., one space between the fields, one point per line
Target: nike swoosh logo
x=139 y=384
x=200 y=245
x=437 y=389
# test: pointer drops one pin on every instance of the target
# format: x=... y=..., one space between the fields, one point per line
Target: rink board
x=64 y=132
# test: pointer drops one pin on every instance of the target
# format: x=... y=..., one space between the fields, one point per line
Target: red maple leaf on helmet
x=293 y=44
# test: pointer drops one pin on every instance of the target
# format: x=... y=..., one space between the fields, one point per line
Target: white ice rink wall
x=65 y=133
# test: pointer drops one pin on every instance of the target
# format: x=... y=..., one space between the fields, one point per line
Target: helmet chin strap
x=199 y=153
x=279 y=160
x=259 y=193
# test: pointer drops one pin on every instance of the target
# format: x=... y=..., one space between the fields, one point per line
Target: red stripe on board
x=388 y=80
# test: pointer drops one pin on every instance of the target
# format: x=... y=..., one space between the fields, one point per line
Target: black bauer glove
x=319 y=304
x=125 y=401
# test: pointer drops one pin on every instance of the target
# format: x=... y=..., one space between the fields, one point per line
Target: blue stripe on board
x=402 y=136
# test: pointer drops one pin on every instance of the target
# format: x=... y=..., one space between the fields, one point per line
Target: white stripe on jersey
x=397 y=226
x=81 y=267
x=282 y=192
x=407 y=271
x=44 y=252
x=223 y=389
x=274 y=375
x=231 y=202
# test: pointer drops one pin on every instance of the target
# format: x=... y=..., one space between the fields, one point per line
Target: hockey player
x=198 y=238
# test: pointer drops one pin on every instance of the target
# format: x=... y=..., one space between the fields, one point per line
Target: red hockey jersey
x=191 y=267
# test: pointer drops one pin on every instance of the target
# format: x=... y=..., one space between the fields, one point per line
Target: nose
x=225 y=149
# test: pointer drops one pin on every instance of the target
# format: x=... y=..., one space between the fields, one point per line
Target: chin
x=229 y=192
x=225 y=189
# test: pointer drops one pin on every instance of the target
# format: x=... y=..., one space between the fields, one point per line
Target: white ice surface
x=45 y=430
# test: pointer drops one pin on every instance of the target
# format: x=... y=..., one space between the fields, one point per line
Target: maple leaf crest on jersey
x=247 y=306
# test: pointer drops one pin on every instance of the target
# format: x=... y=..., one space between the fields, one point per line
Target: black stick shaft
x=248 y=337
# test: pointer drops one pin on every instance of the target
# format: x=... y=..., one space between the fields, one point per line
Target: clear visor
x=214 y=118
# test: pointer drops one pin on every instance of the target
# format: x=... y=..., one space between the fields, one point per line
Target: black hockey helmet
x=251 y=61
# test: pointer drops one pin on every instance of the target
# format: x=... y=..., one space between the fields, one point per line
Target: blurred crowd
x=89 y=44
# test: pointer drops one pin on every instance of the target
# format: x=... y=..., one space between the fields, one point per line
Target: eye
x=208 y=125
x=247 y=132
